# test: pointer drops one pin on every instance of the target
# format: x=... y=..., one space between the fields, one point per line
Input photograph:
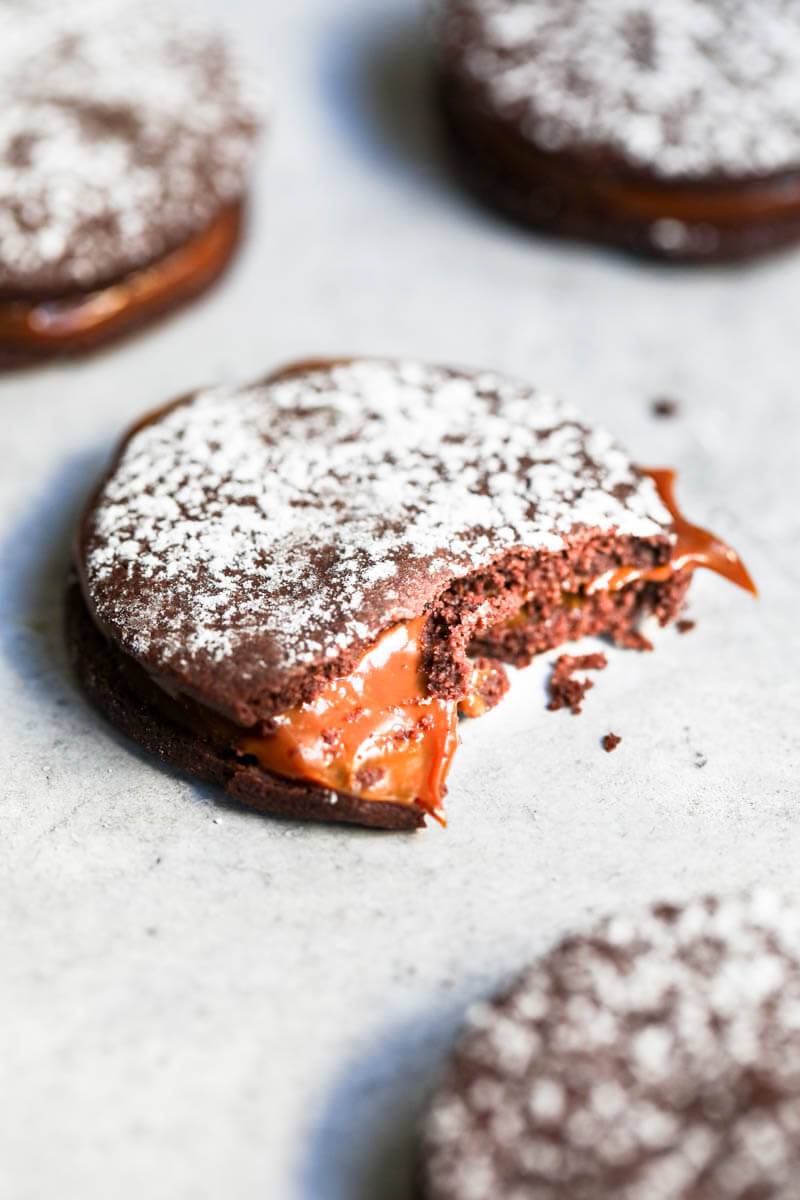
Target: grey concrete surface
x=196 y=1002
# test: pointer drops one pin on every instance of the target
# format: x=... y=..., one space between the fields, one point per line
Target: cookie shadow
x=377 y=86
x=36 y=556
x=378 y=89
x=364 y=1143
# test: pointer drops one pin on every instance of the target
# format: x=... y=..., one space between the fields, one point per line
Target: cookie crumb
x=367 y=777
x=611 y=741
x=566 y=692
x=664 y=406
x=491 y=680
x=684 y=626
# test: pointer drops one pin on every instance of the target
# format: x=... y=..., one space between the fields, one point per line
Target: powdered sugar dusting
x=125 y=127
x=306 y=509
x=684 y=89
x=656 y=1058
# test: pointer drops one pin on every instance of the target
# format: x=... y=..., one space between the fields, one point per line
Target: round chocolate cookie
x=670 y=129
x=654 y=1058
x=126 y=139
x=296 y=587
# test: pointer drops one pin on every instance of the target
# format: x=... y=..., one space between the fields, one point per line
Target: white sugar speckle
x=547 y=1100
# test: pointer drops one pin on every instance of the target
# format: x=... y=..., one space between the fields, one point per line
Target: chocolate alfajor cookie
x=669 y=129
x=126 y=139
x=656 y=1057
x=294 y=588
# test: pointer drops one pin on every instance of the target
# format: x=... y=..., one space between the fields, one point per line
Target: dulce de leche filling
x=694 y=547
x=734 y=205
x=375 y=733
x=87 y=316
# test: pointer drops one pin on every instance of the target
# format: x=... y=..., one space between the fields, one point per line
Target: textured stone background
x=196 y=1002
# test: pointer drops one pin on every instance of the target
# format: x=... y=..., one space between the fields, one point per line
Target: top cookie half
x=693 y=90
x=246 y=539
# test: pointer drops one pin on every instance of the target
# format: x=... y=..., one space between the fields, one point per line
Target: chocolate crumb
x=493 y=680
x=566 y=692
x=367 y=777
x=684 y=626
x=611 y=741
x=664 y=406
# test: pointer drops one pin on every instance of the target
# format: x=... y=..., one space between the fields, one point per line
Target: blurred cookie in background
x=671 y=130
x=656 y=1057
x=127 y=134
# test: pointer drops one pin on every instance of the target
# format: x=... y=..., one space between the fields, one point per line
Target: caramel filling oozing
x=375 y=733
x=85 y=316
x=694 y=547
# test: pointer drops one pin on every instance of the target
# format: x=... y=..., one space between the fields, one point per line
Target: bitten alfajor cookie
x=294 y=588
x=669 y=129
x=126 y=139
x=654 y=1058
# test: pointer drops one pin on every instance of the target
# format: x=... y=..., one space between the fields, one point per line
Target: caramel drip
x=694 y=547
x=375 y=733
x=78 y=319
x=733 y=205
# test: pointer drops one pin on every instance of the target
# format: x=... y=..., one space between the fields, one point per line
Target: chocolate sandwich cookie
x=294 y=588
x=126 y=139
x=669 y=129
x=653 y=1058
